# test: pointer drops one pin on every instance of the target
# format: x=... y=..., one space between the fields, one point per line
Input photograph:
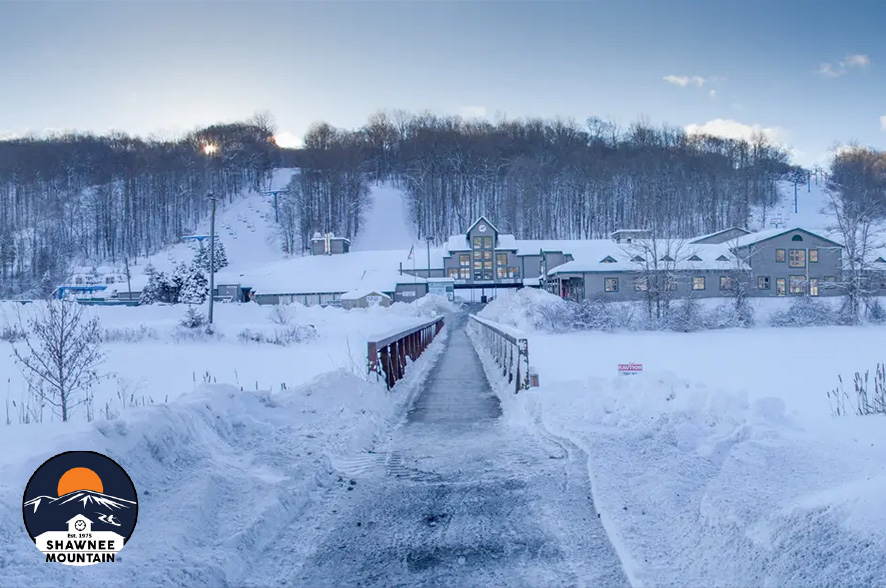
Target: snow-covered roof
x=759 y=236
x=376 y=270
x=461 y=243
x=589 y=258
x=720 y=232
x=419 y=259
x=358 y=294
x=485 y=220
x=333 y=238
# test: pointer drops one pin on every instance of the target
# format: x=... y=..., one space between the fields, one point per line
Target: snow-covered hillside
x=386 y=225
x=811 y=208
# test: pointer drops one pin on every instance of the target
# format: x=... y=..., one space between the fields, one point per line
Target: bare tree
x=656 y=260
x=857 y=191
x=61 y=355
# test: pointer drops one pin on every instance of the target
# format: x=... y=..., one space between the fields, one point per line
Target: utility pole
x=211 y=256
x=428 y=240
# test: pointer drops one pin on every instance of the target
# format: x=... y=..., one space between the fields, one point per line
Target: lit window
x=798 y=284
x=464 y=260
x=478 y=242
x=610 y=284
x=698 y=283
x=779 y=255
x=725 y=283
x=513 y=272
x=641 y=285
x=501 y=258
x=465 y=273
x=608 y=259
x=763 y=282
x=813 y=256
x=501 y=272
x=779 y=286
x=797 y=258
x=487 y=242
x=478 y=254
x=813 y=286
x=478 y=265
x=487 y=255
x=452 y=272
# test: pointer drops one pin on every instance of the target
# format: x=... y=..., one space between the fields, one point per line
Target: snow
x=386 y=225
x=221 y=468
x=724 y=444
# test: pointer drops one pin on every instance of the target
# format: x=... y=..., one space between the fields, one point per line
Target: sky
x=811 y=74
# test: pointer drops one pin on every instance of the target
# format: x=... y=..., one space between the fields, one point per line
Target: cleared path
x=459 y=498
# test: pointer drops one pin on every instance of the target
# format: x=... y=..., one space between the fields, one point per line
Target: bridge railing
x=508 y=347
x=387 y=355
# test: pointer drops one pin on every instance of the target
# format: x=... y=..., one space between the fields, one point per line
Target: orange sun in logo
x=79 y=479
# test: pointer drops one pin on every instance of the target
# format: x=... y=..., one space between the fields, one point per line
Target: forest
x=83 y=198
x=536 y=178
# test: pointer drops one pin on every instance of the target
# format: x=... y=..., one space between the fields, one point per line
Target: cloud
x=840 y=68
x=287 y=140
x=472 y=111
x=712 y=94
x=732 y=129
x=883 y=122
x=684 y=81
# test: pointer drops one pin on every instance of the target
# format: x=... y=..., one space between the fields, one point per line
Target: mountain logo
x=80 y=508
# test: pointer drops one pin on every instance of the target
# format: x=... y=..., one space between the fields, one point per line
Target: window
x=813 y=286
x=487 y=255
x=608 y=259
x=763 y=282
x=513 y=272
x=487 y=265
x=478 y=242
x=797 y=258
x=640 y=284
x=725 y=283
x=698 y=283
x=109 y=280
x=880 y=260
x=464 y=260
x=465 y=273
x=478 y=254
x=667 y=258
x=501 y=258
x=779 y=255
x=796 y=238
x=501 y=272
x=672 y=284
x=478 y=265
x=722 y=258
x=610 y=284
x=452 y=273
x=487 y=242
x=830 y=282
x=798 y=284
x=695 y=258
x=637 y=258
x=779 y=287
x=78 y=280
x=813 y=256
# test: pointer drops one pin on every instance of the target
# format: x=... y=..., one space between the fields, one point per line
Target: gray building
x=329 y=244
x=364 y=299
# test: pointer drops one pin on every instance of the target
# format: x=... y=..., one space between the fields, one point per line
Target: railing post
x=523 y=364
x=372 y=354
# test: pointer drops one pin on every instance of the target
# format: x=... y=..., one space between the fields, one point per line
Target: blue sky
x=812 y=73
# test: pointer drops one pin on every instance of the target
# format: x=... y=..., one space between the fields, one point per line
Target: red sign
x=630 y=369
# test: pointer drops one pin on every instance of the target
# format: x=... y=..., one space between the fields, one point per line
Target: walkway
x=460 y=498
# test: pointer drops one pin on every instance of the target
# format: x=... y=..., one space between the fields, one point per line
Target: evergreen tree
x=194 y=287
x=201 y=257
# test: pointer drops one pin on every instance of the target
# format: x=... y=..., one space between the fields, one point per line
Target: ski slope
x=386 y=225
x=811 y=208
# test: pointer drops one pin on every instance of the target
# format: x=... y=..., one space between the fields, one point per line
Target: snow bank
x=720 y=463
x=219 y=475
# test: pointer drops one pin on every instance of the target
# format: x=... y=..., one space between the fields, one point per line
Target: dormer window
x=880 y=260
x=796 y=238
x=722 y=258
x=695 y=258
x=667 y=258
x=638 y=259
x=608 y=259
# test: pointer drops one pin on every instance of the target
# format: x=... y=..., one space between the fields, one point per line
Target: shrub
x=193 y=319
x=805 y=312
x=128 y=334
x=282 y=337
x=599 y=315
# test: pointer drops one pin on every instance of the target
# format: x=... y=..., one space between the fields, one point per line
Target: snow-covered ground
x=720 y=464
x=386 y=224
x=220 y=467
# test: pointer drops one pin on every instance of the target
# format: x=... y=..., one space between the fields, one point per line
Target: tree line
x=83 y=198
x=537 y=178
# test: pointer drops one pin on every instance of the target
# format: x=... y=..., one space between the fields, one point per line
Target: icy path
x=457 y=497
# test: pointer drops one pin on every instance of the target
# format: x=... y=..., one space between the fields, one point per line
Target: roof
x=760 y=236
x=589 y=257
x=484 y=219
x=720 y=232
x=358 y=294
x=331 y=239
